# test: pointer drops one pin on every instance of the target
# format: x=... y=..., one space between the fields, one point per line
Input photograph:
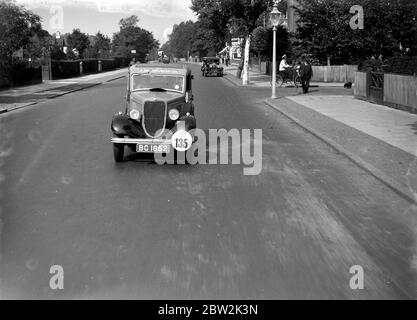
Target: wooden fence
x=360 y=88
x=340 y=74
x=399 y=91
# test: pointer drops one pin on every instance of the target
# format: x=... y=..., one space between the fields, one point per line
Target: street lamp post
x=276 y=19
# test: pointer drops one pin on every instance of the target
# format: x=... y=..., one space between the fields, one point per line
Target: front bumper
x=141 y=141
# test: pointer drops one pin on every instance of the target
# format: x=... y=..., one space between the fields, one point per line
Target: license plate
x=153 y=148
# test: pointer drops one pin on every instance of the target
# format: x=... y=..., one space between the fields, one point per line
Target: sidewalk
x=257 y=79
x=21 y=97
x=381 y=140
x=395 y=127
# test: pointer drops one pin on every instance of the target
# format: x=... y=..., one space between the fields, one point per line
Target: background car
x=211 y=67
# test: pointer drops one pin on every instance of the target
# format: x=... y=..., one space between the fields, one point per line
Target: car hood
x=167 y=97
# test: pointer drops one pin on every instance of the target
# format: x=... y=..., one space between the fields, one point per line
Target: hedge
x=71 y=68
x=19 y=74
x=402 y=65
x=406 y=65
x=65 y=69
x=108 y=64
x=121 y=62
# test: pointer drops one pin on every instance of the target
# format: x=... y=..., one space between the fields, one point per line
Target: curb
x=111 y=80
x=376 y=173
x=88 y=86
x=75 y=90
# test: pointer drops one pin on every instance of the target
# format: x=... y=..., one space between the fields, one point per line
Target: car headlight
x=134 y=114
x=173 y=114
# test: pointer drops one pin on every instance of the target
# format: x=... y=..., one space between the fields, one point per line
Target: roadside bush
x=108 y=64
x=406 y=65
x=121 y=62
x=21 y=74
x=402 y=65
x=374 y=65
x=65 y=69
x=4 y=74
x=90 y=66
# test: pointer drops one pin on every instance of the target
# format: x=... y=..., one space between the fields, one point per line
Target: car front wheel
x=118 y=152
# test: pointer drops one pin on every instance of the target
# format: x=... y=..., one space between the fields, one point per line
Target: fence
x=393 y=90
x=360 y=89
x=400 y=90
x=341 y=74
x=72 y=68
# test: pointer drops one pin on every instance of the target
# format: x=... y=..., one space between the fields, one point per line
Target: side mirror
x=192 y=77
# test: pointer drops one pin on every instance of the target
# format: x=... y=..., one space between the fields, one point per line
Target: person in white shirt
x=283 y=66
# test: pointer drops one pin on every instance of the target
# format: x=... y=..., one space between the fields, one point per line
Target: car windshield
x=152 y=81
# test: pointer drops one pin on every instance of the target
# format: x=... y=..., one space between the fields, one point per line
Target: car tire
x=118 y=152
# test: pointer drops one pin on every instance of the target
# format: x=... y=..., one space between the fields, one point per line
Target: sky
x=90 y=16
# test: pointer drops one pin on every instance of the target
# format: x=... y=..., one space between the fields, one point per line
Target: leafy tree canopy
x=17 y=27
x=131 y=37
x=325 y=31
x=78 y=40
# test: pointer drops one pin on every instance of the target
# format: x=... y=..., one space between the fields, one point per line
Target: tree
x=102 y=45
x=181 y=39
x=192 y=38
x=205 y=41
x=131 y=37
x=99 y=47
x=17 y=27
x=262 y=41
x=213 y=17
x=78 y=40
x=128 y=22
x=237 y=16
x=325 y=31
x=41 y=39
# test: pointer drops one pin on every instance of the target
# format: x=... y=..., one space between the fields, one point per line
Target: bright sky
x=90 y=16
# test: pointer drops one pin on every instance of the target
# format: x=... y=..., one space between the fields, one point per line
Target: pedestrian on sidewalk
x=306 y=73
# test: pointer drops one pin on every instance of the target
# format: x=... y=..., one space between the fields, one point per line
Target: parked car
x=159 y=103
x=211 y=67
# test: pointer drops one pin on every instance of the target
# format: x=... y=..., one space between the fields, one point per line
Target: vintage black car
x=159 y=103
x=211 y=67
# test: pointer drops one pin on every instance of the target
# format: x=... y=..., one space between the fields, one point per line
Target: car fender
x=122 y=125
x=189 y=121
x=188 y=107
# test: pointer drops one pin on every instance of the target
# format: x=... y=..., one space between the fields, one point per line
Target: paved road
x=139 y=230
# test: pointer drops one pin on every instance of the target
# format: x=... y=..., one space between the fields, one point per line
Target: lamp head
x=275 y=16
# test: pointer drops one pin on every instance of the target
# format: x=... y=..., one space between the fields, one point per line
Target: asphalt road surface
x=140 y=230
